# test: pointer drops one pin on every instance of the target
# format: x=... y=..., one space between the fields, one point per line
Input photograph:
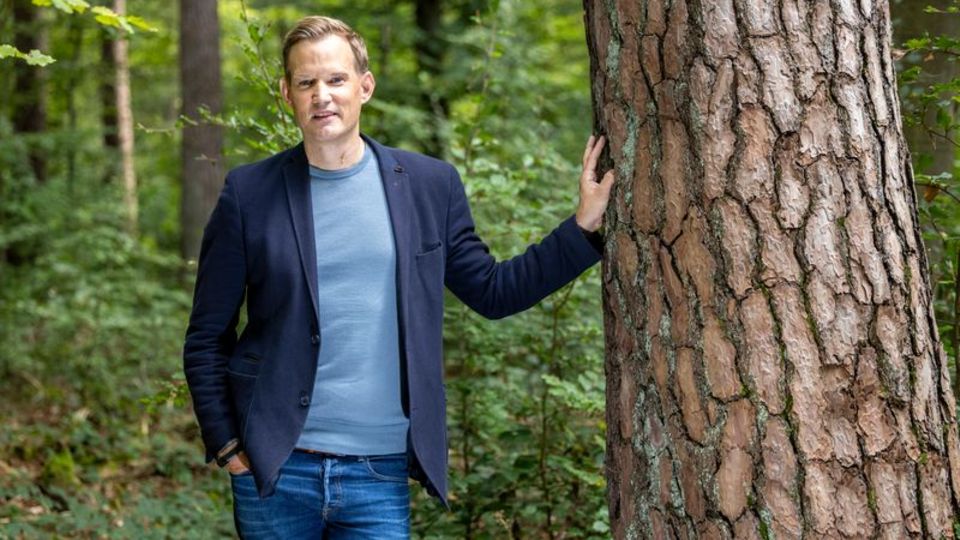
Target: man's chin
x=325 y=135
x=317 y=133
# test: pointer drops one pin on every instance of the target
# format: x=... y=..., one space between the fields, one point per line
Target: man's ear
x=285 y=91
x=367 y=84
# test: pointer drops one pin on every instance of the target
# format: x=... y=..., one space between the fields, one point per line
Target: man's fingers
x=595 y=153
x=586 y=151
x=238 y=464
x=607 y=182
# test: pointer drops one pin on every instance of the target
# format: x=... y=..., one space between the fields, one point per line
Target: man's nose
x=322 y=94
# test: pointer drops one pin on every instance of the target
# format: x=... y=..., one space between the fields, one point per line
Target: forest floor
x=66 y=474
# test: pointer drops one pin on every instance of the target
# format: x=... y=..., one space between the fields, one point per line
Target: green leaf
x=34 y=57
x=37 y=58
x=141 y=23
x=106 y=16
x=917 y=43
x=66 y=6
x=943 y=118
x=910 y=74
x=256 y=32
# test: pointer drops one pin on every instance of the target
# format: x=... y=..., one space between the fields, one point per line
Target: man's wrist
x=228 y=450
x=587 y=226
x=594 y=237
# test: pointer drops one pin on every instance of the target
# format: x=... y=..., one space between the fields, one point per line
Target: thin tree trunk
x=773 y=365
x=108 y=92
x=76 y=44
x=201 y=146
x=429 y=48
x=29 y=109
x=125 y=124
x=385 y=46
x=108 y=106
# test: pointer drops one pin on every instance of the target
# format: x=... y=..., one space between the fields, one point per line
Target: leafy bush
x=930 y=106
x=98 y=438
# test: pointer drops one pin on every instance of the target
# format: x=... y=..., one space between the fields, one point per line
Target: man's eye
x=305 y=84
x=336 y=80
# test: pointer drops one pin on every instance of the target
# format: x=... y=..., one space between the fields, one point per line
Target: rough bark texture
x=202 y=143
x=773 y=366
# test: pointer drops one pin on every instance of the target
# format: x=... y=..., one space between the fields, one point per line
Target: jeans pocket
x=388 y=468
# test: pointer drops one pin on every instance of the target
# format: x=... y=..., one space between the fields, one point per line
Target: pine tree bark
x=202 y=142
x=773 y=366
x=125 y=125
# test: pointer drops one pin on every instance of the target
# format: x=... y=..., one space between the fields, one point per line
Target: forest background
x=96 y=434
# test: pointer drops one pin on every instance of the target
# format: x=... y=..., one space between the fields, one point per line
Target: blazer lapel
x=396 y=186
x=296 y=175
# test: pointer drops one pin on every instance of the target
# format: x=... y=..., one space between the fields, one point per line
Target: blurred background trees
x=97 y=435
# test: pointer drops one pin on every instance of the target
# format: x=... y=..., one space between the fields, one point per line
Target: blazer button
x=304 y=400
x=315 y=339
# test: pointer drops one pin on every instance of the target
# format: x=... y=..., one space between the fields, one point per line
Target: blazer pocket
x=245 y=365
x=429 y=247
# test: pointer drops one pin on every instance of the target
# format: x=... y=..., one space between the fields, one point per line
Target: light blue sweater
x=355 y=409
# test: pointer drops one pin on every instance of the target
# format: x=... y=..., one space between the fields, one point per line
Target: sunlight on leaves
x=34 y=57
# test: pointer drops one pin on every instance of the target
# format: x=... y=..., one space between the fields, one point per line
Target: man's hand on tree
x=594 y=195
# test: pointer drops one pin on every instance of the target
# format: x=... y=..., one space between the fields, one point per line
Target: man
x=333 y=395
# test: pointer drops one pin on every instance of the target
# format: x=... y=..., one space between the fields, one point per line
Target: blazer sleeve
x=498 y=289
x=211 y=335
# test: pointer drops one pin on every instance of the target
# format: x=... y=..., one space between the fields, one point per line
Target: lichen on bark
x=773 y=364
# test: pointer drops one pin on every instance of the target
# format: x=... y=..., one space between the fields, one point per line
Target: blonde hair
x=317 y=27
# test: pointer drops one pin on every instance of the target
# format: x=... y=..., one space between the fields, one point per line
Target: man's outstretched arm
x=498 y=289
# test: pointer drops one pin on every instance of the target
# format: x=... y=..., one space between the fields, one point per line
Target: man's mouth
x=322 y=115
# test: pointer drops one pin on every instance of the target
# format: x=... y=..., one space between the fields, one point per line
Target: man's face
x=325 y=90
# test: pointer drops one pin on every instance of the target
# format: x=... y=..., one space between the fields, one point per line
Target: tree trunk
x=773 y=366
x=108 y=92
x=429 y=48
x=125 y=124
x=201 y=146
x=29 y=108
x=73 y=81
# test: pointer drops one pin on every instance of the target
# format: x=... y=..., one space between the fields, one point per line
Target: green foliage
x=103 y=15
x=34 y=57
x=930 y=104
x=101 y=440
x=524 y=395
x=90 y=328
x=271 y=129
x=66 y=6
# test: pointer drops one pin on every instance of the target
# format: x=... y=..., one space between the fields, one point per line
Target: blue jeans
x=330 y=498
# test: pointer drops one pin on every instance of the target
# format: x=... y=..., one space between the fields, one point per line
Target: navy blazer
x=259 y=243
